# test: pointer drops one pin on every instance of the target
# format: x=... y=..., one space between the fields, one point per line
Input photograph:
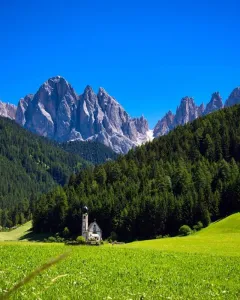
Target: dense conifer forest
x=29 y=165
x=190 y=175
x=94 y=152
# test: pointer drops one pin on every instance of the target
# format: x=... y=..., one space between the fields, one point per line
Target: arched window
x=94 y=228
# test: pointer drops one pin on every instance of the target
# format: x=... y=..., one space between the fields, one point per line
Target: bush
x=198 y=226
x=65 y=232
x=51 y=239
x=159 y=237
x=54 y=239
x=80 y=240
x=185 y=230
x=166 y=236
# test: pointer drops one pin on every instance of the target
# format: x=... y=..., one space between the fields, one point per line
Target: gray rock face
x=58 y=113
x=21 y=109
x=52 y=111
x=234 y=97
x=186 y=112
x=164 y=125
x=215 y=103
x=7 y=110
x=189 y=111
x=201 y=110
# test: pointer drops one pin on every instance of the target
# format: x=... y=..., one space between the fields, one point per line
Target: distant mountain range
x=58 y=113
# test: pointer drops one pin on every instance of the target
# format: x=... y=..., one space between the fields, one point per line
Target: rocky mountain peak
x=88 y=95
x=164 y=125
x=186 y=112
x=234 y=97
x=102 y=91
x=201 y=110
x=214 y=104
x=57 y=112
x=52 y=109
x=21 y=109
x=7 y=110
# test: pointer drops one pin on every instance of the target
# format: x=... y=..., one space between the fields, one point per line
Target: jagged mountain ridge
x=8 y=110
x=57 y=112
x=188 y=111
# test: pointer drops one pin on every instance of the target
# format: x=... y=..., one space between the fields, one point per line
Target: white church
x=91 y=233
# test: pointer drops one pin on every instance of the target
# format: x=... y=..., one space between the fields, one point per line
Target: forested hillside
x=29 y=165
x=190 y=175
x=94 y=152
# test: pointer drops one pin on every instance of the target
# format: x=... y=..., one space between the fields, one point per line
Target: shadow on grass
x=34 y=237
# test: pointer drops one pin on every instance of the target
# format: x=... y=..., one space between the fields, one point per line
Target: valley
x=119 y=150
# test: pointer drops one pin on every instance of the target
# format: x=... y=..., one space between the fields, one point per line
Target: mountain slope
x=190 y=175
x=30 y=165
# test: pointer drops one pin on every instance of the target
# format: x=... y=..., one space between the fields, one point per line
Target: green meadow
x=205 y=265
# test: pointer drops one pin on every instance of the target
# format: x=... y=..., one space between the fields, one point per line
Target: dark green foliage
x=185 y=230
x=29 y=165
x=66 y=232
x=189 y=176
x=198 y=226
x=94 y=152
x=54 y=239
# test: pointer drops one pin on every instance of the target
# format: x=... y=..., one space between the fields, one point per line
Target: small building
x=91 y=233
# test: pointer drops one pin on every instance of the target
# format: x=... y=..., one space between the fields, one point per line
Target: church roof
x=91 y=224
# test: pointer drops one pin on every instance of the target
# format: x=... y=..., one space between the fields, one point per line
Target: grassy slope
x=203 y=266
x=23 y=233
x=220 y=238
x=16 y=234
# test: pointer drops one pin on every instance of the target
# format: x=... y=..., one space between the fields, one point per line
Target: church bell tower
x=85 y=222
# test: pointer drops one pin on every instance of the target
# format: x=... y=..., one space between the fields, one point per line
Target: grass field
x=202 y=266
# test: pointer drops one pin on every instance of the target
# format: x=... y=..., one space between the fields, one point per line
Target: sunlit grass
x=203 y=266
x=220 y=238
x=16 y=233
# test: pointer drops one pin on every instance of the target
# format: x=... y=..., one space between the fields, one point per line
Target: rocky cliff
x=214 y=104
x=188 y=111
x=234 y=97
x=57 y=112
x=7 y=110
x=164 y=125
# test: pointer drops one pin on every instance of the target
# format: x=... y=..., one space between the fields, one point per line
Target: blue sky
x=147 y=54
